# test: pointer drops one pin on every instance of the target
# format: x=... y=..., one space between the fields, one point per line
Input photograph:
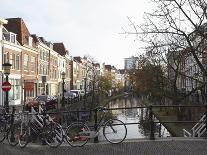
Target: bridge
x=163 y=146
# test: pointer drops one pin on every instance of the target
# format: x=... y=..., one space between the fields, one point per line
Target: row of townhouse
x=190 y=76
x=40 y=63
x=34 y=60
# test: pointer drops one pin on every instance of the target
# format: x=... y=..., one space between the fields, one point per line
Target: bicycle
x=49 y=132
x=114 y=130
x=8 y=127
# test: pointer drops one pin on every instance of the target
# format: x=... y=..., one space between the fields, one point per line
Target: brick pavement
x=142 y=147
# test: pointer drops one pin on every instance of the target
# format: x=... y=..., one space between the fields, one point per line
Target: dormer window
x=9 y=36
x=13 y=38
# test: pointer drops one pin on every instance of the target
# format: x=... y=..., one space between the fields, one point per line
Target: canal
x=139 y=116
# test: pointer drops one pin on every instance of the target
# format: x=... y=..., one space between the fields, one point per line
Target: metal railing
x=151 y=116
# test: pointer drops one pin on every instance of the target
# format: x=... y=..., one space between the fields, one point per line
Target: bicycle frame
x=94 y=133
x=29 y=125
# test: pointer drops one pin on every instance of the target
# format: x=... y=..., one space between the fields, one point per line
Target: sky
x=86 y=27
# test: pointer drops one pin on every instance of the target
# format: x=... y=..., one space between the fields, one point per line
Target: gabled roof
x=17 y=25
x=60 y=48
x=37 y=39
x=78 y=58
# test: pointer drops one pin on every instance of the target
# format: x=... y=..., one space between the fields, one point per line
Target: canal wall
x=175 y=129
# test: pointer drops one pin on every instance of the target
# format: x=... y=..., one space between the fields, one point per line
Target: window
x=40 y=54
x=18 y=62
x=30 y=41
x=33 y=63
x=6 y=57
x=26 y=60
x=41 y=69
x=13 y=38
x=30 y=93
x=45 y=56
x=12 y=60
x=14 y=93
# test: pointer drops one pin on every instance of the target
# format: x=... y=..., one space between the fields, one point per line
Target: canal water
x=141 y=116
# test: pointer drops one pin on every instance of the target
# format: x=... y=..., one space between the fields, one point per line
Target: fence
x=79 y=114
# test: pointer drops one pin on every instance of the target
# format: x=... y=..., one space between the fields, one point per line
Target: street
x=146 y=147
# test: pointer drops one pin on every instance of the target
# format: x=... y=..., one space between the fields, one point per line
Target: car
x=50 y=102
x=69 y=95
x=77 y=92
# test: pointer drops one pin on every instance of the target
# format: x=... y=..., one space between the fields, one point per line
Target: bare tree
x=176 y=26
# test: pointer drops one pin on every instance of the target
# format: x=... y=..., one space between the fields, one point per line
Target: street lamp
x=63 y=97
x=6 y=68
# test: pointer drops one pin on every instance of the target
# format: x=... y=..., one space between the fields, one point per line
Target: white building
x=130 y=63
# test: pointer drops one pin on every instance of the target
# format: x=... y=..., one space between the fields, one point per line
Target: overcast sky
x=89 y=27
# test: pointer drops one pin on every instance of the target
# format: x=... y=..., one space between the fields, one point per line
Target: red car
x=50 y=102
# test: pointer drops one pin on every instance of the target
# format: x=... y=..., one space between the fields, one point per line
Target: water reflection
x=141 y=116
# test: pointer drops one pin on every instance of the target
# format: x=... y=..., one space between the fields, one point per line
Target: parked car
x=69 y=95
x=77 y=92
x=50 y=102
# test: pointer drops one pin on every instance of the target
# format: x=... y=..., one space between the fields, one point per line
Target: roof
x=60 y=48
x=78 y=59
x=17 y=25
x=108 y=67
x=37 y=39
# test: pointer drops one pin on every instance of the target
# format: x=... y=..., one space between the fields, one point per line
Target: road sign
x=29 y=86
x=6 y=86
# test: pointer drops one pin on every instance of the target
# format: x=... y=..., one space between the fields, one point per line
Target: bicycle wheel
x=23 y=137
x=13 y=139
x=73 y=136
x=114 y=131
x=53 y=134
x=2 y=131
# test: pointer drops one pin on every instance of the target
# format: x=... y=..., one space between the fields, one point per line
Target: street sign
x=29 y=86
x=6 y=86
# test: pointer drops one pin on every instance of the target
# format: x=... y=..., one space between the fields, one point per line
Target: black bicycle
x=49 y=131
x=9 y=129
x=79 y=133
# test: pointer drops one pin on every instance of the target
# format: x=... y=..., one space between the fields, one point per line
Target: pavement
x=170 y=146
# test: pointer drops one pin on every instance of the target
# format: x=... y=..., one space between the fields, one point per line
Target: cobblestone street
x=143 y=147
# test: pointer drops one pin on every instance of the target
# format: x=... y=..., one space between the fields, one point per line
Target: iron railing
x=151 y=115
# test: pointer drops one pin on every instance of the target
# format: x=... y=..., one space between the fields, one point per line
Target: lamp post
x=6 y=68
x=63 y=97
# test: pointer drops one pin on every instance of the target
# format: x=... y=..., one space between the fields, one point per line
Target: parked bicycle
x=9 y=129
x=114 y=130
x=49 y=131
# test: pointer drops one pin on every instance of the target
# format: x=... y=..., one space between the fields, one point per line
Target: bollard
x=152 y=136
x=95 y=125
